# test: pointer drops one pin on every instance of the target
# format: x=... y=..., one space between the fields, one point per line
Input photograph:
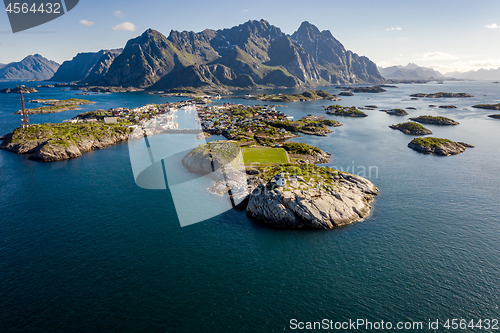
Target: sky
x=447 y=35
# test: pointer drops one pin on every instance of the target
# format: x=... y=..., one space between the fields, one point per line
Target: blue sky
x=447 y=35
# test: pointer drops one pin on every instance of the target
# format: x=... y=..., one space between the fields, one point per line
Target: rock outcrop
x=437 y=146
x=305 y=205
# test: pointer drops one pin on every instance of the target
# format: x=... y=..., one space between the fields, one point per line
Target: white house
x=281 y=180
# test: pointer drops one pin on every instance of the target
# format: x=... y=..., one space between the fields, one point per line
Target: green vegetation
x=218 y=149
x=305 y=96
x=67 y=134
x=95 y=114
x=430 y=142
x=310 y=173
x=57 y=105
x=437 y=120
x=412 y=128
x=331 y=123
x=305 y=125
x=397 y=112
x=300 y=148
x=345 y=111
x=264 y=155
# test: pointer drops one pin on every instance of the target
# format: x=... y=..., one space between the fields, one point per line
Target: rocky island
x=437 y=146
x=442 y=95
x=496 y=116
x=287 y=195
x=312 y=197
x=487 y=106
x=396 y=112
x=18 y=89
x=54 y=105
x=373 y=89
x=309 y=95
x=411 y=128
x=435 y=120
x=447 y=107
x=57 y=142
x=344 y=111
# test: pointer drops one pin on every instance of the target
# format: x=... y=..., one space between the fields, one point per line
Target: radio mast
x=25 y=121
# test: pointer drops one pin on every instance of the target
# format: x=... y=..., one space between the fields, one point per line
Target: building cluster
x=238 y=118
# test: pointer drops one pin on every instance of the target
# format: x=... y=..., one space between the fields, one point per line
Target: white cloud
x=492 y=26
x=118 y=13
x=429 y=56
x=392 y=29
x=125 y=26
x=244 y=10
x=469 y=65
x=383 y=64
x=86 y=23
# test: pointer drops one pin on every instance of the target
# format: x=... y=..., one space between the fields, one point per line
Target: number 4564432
x=48 y=8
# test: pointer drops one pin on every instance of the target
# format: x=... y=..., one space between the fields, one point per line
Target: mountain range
x=481 y=74
x=86 y=67
x=410 y=72
x=250 y=55
x=33 y=67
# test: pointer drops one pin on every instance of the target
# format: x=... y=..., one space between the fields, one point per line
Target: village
x=258 y=124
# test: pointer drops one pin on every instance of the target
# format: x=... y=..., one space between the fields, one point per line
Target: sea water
x=84 y=249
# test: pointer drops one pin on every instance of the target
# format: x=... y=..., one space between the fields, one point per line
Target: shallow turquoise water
x=83 y=248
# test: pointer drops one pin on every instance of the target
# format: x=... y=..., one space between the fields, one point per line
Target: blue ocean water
x=84 y=249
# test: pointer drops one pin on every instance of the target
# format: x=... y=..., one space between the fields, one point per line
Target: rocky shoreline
x=437 y=146
x=45 y=148
x=308 y=205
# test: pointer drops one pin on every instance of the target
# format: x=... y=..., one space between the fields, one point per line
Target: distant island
x=435 y=120
x=487 y=106
x=372 y=89
x=18 y=89
x=442 y=95
x=496 y=116
x=309 y=95
x=54 y=105
x=344 y=111
x=437 y=146
x=396 y=112
x=411 y=128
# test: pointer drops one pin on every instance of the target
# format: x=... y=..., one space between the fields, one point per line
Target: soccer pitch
x=264 y=155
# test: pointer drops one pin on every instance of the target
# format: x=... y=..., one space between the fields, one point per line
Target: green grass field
x=264 y=155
